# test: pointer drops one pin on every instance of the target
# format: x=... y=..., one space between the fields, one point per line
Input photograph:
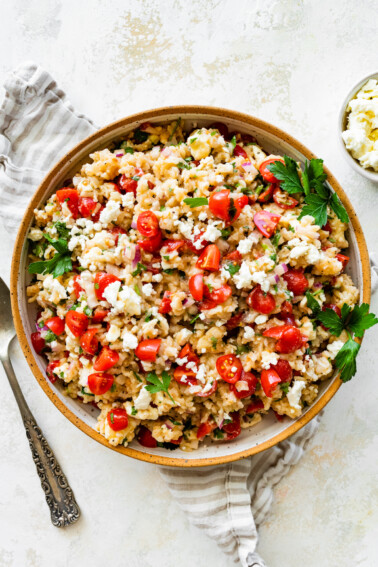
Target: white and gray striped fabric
x=37 y=126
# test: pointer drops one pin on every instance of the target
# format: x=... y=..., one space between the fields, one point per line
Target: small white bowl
x=343 y=116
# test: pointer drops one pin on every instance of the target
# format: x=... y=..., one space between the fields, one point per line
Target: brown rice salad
x=183 y=286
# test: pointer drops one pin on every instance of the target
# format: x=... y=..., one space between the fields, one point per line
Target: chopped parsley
x=139 y=269
x=126 y=148
x=214 y=342
x=156 y=385
x=195 y=318
x=196 y=201
x=225 y=232
x=148 y=317
x=136 y=289
x=137 y=376
x=242 y=349
x=285 y=387
x=88 y=311
x=134 y=411
x=50 y=337
x=59 y=264
x=233 y=268
x=62 y=230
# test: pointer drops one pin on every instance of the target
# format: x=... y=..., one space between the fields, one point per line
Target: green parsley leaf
x=166 y=258
x=338 y=208
x=124 y=146
x=134 y=411
x=159 y=386
x=209 y=287
x=196 y=201
x=176 y=422
x=232 y=268
x=50 y=337
x=242 y=349
x=183 y=165
x=331 y=321
x=169 y=270
x=59 y=264
x=285 y=387
x=288 y=174
x=273 y=257
x=137 y=376
x=225 y=232
x=148 y=317
x=136 y=289
x=312 y=303
x=346 y=360
x=139 y=269
x=217 y=433
x=178 y=122
x=232 y=145
x=275 y=239
x=140 y=136
x=316 y=206
x=88 y=311
x=192 y=140
x=162 y=208
x=361 y=320
x=62 y=230
x=214 y=341
x=83 y=391
x=195 y=318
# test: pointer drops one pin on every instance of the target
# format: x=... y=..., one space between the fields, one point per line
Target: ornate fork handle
x=59 y=496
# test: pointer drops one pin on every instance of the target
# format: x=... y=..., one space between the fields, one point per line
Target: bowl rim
x=159 y=114
x=367 y=173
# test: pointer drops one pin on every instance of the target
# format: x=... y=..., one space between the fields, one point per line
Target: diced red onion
x=276 y=278
x=246 y=165
x=134 y=225
x=169 y=425
x=137 y=257
x=44 y=328
x=281 y=269
x=221 y=424
x=120 y=153
x=318 y=285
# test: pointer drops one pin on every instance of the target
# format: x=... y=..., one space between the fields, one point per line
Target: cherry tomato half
x=249 y=381
x=77 y=322
x=106 y=359
x=50 y=370
x=229 y=368
x=260 y=301
x=99 y=314
x=232 y=429
x=165 y=305
x=268 y=175
x=184 y=375
x=89 y=342
x=283 y=369
x=205 y=428
x=148 y=224
x=101 y=282
x=219 y=204
x=254 y=406
x=71 y=197
x=234 y=321
x=38 y=342
x=286 y=313
x=209 y=392
x=76 y=286
x=147 y=350
x=127 y=184
x=117 y=419
x=239 y=151
x=144 y=438
x=266 y=222
x=290 y=341
x=100 y=382
x=172 y=245
x=196 y=286
x=197 y=239
x=151 y=244
x=283 y=199
x=56 y=325
x=343 y=259
x=269 y=380
x=87 y=207
x=266 y=195
x=296 y=281
x=209 y=259
x=234 y=256
x=216 y=297
x=188 y=352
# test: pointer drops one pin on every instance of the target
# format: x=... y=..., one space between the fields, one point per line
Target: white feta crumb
x=111 y=292
x=192 y=366
x=35 y=234
x=113 y=333
x=148 y=289
x=268 y=359
x=157 y=277
x=333 y=348
x=201 y=374
x=182 y=361
x=110 y=213
x=128 y=200
x=243 y=278
x=54 y=288
x=130 y=341
x=202 y=216
x=211 y=233
x=249 y=333
x=261 y=319
x=143 y=400
x=294 y=394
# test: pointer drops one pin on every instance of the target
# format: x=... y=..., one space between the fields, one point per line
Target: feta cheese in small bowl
x=358 y=123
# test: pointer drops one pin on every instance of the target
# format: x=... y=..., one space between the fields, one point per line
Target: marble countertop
x=290 y=62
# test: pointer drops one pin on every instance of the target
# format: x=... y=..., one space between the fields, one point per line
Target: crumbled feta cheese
x=157 y=277
x=294 y=394
x=143 y=400
x=249 y=333
x=211 y=233
x=86 y=282
x=185 y=227
x=148 y=289
x=333 y=348
x=111 y=292
x=262 y=279
x=129 y=302
x=202 y=216
x=54 y=288
x=261 y=319
x=35 y=234
x=182 y=361
x=128 y=200
x=201 y=374
x=113 y=333
x=243 y=278
x=130 y=341
x=192 y=366
x=268 y=359
x=110 y=213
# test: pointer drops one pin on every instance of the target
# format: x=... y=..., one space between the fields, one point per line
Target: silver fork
x=59 y=496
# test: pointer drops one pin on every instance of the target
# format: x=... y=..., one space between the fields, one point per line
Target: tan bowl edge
x=29 y=355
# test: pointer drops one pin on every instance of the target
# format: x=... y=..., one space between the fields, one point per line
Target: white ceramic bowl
x=343 y=116
x=269 y=431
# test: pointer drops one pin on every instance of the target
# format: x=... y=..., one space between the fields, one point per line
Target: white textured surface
x=285 y=61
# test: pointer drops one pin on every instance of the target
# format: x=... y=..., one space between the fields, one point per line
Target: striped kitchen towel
x=37 y=126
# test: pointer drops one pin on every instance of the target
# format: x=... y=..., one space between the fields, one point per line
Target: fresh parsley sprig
x=311 y=182
x=356 y=320
x=59 y=263
x=157 y=385
x=196 y=201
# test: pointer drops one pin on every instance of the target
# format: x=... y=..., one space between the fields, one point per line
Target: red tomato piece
x=165 y=305
x=229 y=368
x=197 y=239
x=283 y=199
x=216 y=297
x=219 y=204
x=296 y=281
x=343 y=259
x=117 y=419
x=205 y=428
x=76 y=286
x=261 y=301
x=50 y=370
x=106 y=359
x=89 y=341
x=234 y=321
x=266 y=195
x=188 y=352
x=327 y=227
x=267 y=175
x=234 y=256
x=240 y=203
x=283 y=369
x=286 y=313
x=144 y=438
x=101 y=282
x=100 y=382
x=147 y=350
x=232 y=429
x=148 y=224
x=208 y=392
x=127 y=185
x=239 y=151
x=196 y=286
x=184 y=375
x=254 y=406
x=222 y=128
x=116 y=231
x=250 y=380
x=290 y=341
x=266 y=222
x=87 y=206
x=71 y=197
x=151 y=244
x=56 y=325
x=77 y=322
x=172 y=245
x=269 y=380
x=276 y=332
x=38 y=342
x=99 y=315
x=209 y=259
